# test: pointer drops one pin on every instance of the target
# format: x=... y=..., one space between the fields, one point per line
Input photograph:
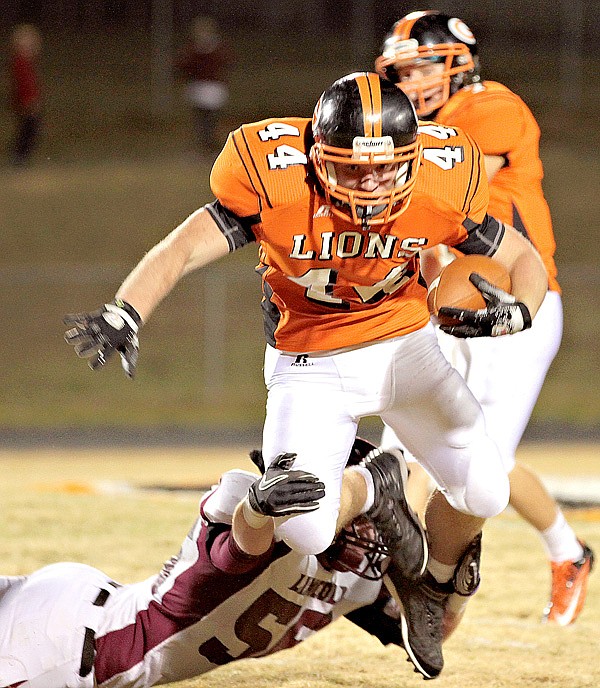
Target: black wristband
x=526 y=315
x=130 y=310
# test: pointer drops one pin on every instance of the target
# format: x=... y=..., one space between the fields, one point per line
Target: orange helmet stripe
x=403 y=27
x=369 y=89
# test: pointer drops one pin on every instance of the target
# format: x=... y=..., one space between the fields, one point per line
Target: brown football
x=453 y=288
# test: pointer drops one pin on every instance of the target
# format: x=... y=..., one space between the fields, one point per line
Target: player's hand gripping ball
x=453 y=289
x=471 y=298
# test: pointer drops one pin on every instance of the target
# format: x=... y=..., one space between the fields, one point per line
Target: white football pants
x=505 y=374
x=315 y=403
x=43 y=621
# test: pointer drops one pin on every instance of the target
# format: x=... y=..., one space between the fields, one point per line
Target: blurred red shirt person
x=204 y=64
x=25 y=90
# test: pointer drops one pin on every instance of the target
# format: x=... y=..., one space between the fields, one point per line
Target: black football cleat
x=399 y=526
x=422 y=604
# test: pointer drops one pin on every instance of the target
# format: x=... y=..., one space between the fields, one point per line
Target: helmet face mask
x=357 y=549
x=360 y=124
x=429 y=37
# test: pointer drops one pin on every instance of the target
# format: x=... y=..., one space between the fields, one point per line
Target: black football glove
x=283 y=492
x=96 y=336
x=502 y=315
x=257 y=459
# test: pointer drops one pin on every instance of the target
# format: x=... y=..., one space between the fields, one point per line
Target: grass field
x=87 y=505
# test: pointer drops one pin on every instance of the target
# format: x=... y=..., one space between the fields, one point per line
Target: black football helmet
x=434 y=37
x=358 y=548
x=363 y=119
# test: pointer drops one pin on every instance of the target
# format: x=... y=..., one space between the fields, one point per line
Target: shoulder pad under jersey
x=452 y=169
x=263 y=165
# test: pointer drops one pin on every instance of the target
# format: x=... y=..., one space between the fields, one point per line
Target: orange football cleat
x=569 y=588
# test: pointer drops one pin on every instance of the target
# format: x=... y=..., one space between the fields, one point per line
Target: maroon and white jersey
x=210 y=605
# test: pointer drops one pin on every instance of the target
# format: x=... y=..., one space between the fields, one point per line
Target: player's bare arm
x=196 y=242
x=252 y=539
x=528 y=275
x=114 y=327
x=493 y=165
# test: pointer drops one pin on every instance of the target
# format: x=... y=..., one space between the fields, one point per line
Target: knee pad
x=307 y=533
x=486 y=490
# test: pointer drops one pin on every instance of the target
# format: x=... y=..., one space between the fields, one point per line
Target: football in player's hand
x=453 y=288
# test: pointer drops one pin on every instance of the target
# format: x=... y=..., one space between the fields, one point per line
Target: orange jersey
x=327 y=283
x=503 y=125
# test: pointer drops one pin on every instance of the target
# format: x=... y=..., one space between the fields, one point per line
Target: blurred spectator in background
x=204 y=64
x=25 y=91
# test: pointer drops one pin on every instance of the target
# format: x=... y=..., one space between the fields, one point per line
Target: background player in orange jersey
x=340 y=207
x=433 y=58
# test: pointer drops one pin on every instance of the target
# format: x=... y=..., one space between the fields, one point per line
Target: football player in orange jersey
x=340 y=207
x=433 y=58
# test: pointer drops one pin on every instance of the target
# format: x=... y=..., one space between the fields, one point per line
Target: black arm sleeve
x=237 y=230
x=483 y=238
x=375 y=621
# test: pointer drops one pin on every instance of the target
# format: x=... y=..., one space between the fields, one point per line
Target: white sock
x=560 y=541
x=441 y=572
x=368 y=478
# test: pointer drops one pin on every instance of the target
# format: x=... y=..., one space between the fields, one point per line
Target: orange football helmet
x=420 y=38
x=362 y=119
